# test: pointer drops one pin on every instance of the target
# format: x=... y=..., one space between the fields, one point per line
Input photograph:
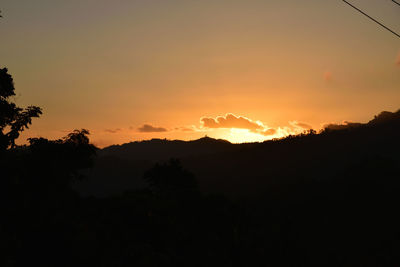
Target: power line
x=371 y=18
x=396 y=2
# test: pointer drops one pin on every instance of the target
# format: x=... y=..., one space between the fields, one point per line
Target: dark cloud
x=113 y=130
x=231 y=121
x=147 y=128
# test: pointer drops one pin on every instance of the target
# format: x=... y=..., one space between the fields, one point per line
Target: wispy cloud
x=147 y=128
x=191 y=128
x=300 y=125
x=268 y=132
x=113 y=130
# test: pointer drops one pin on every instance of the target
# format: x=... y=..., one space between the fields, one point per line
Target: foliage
x=13 y=119
x=35 y=184
x=170 y=178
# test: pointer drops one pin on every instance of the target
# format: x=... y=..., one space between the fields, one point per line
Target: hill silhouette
x=326 y=199
x=120 y=168
x=161 y=149
x=251 y=168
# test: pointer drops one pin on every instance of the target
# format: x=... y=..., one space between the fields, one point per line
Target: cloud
x=268 y=132
x=147 y=128
x=113 y=130
x=301 y=125
x=231 y=121
x=227 y=121
x=186 y=129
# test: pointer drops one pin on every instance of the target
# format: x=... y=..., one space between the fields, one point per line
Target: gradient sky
x=133 y=70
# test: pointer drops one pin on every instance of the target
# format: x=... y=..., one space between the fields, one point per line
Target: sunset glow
x=243 y=136
x=114 y=69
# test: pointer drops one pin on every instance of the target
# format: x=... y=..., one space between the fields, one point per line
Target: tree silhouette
x=171 y=179
x=65 y=158
x=13 y=119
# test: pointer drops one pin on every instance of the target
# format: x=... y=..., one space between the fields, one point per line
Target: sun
x=244 y=136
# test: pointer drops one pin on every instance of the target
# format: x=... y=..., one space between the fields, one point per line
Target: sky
x=247 y=70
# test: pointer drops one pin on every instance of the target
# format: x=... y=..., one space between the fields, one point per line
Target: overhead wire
x=371 y=18
x=397 y=3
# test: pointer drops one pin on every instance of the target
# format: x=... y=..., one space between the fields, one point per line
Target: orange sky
x=114 y=66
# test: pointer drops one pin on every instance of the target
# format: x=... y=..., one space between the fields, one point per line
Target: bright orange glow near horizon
x=243 y=136
x=139 y=70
